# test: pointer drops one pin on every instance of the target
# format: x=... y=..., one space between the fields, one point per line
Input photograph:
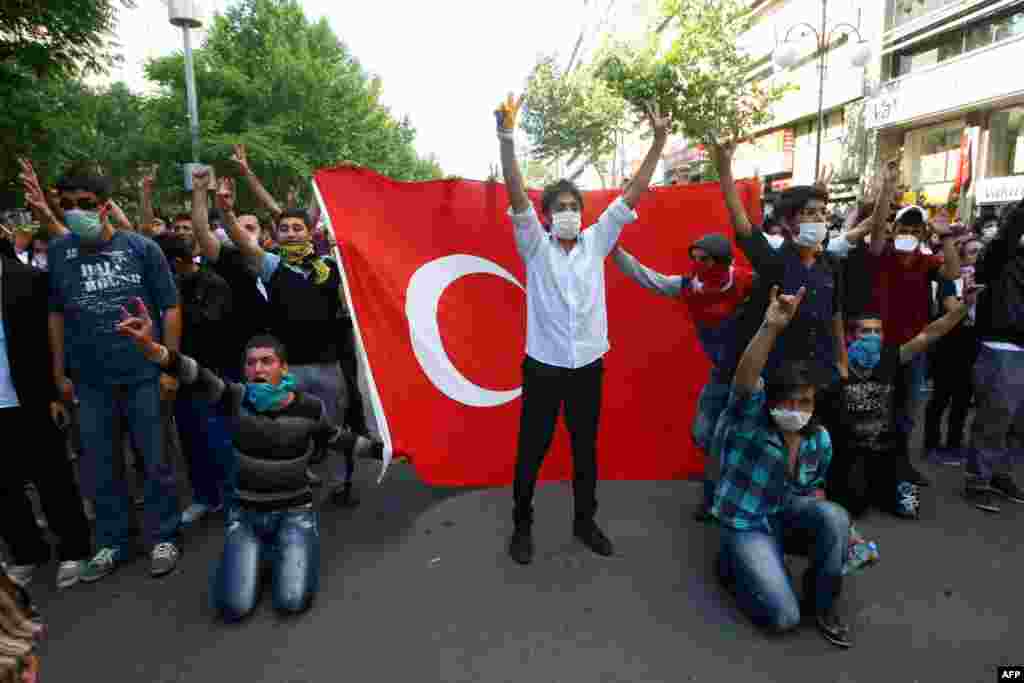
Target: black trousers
x=545 y=389
x=953 y=359
x=39 y=456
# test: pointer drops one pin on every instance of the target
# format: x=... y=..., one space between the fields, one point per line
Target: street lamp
x=786 y=55
x=185 y=14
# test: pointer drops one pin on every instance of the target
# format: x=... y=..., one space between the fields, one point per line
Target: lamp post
x=185 y=14
x=786 y=56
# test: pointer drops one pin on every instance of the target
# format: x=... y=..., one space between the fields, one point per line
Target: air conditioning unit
x=184 y=13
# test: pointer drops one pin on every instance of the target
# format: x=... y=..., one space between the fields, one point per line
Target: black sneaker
x=833 y=629
x=982 y=498
x=520 y=547
x=1007 y=488
x=345 y=496
x=593 y=538
x=914 y=476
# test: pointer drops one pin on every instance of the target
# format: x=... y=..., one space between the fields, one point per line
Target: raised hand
x=226 y=195
x=782 y=307
x=722 y=154
x=34 y=194
x=201 y=178
x=293 y=197
x=659 y=124
x=824 y=178
x=148 y=180
x=508 y=111
x=940 y=224
x=138 y=326
x=241 y=158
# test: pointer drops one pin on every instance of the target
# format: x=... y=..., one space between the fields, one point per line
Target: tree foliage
x=703 y=78
x=58 y=37
x=572 y=115
x=266 y=76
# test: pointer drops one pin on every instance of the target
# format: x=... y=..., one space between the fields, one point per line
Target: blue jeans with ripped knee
x=752 y=561
x=288 y=539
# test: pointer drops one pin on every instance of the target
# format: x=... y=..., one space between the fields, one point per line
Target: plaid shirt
x=755 y=484
x=713 y=399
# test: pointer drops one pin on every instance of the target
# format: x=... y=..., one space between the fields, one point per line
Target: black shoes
x=982 y=497
x=520 y=547
x=592 y=537
x=1007 y=488
x=833 y=629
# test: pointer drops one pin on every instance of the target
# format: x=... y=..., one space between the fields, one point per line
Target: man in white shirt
x=566 y=328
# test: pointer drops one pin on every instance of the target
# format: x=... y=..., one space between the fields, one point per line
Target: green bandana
x=301 y=255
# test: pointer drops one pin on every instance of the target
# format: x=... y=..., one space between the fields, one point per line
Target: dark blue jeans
x=752 y=561
x=103 y=413
x=288 y=539
x=206 y=441
x=910 y=394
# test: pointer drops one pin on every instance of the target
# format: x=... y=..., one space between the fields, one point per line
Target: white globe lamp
x=785 y=56
x=861 y=55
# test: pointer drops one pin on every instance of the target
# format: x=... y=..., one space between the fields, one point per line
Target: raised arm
x=722 y=155
x=506 y=115
x=647 y=278
x=890 y=175
x=638 y=185
x=209 y=245
x=933 y=332
x=781 y=310
x=147 y=215
x=264 y=197
x=250 y=249
x=36 y=200
x=950 y=253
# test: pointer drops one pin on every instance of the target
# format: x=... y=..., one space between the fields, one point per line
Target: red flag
x=436 y=290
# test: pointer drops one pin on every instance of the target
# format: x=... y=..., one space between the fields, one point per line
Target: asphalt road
x=416 y=587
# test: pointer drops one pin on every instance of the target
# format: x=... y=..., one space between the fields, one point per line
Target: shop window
x=1006 y=132
x=932 y=156
x=1008 y=27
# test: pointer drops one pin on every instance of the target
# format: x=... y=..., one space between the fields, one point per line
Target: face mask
x=790 y=420
x=566 y=225
x=296 y=253
x=866 y=351
x=264 y=396
x=40 y=261
x=989 y=234
x=906 y=244
x=775 y=241
x=811 y=234
x=86 y=224
x=713 y=275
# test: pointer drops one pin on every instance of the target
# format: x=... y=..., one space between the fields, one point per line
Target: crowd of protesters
x=226 y=339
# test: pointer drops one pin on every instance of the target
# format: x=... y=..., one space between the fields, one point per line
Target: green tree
x=703 y=78
x=288 y=89
x=58 y=37
x=572 y=115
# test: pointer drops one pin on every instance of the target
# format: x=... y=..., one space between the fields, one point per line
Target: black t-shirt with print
x=867 y=403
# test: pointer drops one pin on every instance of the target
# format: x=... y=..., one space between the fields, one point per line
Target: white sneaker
x=21 y=574
x=68 y=573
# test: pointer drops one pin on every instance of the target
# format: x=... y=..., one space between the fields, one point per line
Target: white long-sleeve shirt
x=566 y=310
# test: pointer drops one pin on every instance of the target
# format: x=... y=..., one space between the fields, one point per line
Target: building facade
x=950 y=89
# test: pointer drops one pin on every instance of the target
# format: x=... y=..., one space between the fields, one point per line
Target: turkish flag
x=436 y=289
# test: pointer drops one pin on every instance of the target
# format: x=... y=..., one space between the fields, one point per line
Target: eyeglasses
x=83 y=203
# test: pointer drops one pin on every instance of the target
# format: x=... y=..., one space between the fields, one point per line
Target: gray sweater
x=273 y=448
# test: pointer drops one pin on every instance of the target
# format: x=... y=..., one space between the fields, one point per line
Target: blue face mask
x=263 y=396
x=86 y=224
x=866 y=351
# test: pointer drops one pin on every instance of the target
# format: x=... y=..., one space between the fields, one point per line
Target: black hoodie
x=1001 y=269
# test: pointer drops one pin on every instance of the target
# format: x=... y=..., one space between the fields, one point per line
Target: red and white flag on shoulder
x=436 y=290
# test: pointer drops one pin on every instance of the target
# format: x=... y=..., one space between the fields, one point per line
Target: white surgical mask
x=566 y=225
x=989 y=234
x=790 y=420
x=811 y=234
x=775 y=240
x=906 y=244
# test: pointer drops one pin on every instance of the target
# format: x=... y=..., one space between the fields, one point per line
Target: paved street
x=416 y=587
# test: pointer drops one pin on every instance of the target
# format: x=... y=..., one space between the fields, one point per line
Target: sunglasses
x=702 y=259
x=85 y=204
